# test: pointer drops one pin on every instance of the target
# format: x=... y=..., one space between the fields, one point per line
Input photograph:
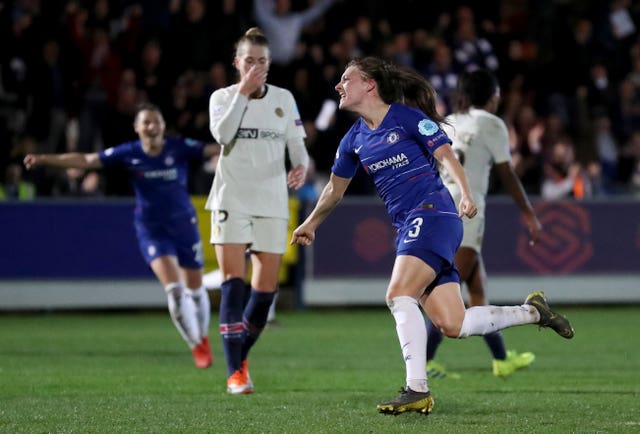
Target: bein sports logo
x=565 y=242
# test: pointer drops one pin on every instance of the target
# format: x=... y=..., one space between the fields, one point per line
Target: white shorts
x=262 y=234
x=473 y=232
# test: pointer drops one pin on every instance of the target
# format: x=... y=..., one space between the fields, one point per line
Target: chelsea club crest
x=393 y=137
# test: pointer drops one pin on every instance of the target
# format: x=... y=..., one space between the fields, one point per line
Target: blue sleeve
x=192 y=148
x=346 y=161
x=424 y=130
x=114 y=155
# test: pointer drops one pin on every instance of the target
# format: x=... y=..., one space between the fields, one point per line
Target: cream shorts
x=261 y=234
x=473 y=232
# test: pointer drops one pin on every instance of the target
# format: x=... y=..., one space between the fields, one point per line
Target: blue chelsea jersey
x=398 y=155
x=160 y=181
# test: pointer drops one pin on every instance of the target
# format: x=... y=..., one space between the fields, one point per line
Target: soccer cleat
x=202 y=354
x=421 y=402
x=513 y=362
x=240 y=382
x=436 y=370
x=549 y=318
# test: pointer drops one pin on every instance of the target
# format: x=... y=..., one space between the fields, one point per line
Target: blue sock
x=434 y=337
x=255 y=318
x=496 y=345
x=231 y=304
x=247 y=294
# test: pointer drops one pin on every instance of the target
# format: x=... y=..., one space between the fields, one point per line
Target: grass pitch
x=322 y=371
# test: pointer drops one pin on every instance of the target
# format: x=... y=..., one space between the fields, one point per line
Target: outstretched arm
x=445 y=155
x=513 y=185
x=331 y=196
x=72 y=159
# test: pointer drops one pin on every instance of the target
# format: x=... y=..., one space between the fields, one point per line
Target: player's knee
x=449 y=326
x=394 y=292
x=452 y=329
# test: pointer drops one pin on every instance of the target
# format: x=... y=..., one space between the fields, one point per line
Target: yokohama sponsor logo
x=393 y=162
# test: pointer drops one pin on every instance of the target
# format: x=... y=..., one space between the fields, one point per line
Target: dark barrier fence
x=63 y=240
x=578 y=237
x=75 y=239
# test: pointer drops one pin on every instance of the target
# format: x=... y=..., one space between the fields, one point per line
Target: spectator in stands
x=80 y=183
x=151 y=76
x=608 y=149
x=165 y=219
x=471 y=51
x=98 y=41
x=51 y=98
x=629 y=173
x=283 y=28
x=191 y=39
x=14 y=186
x=526 y=149
x=562 y=174
x=442 y=75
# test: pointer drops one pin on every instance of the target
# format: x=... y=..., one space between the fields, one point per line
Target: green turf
x=322 y=371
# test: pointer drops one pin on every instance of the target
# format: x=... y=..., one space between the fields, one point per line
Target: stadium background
x=73 y=71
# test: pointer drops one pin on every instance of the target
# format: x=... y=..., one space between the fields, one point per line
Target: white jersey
x=479 y=140
x=251 y=176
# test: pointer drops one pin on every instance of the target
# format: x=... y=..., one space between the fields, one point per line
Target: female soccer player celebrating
x=256 y=123
x=398 y=141
x=165 y=220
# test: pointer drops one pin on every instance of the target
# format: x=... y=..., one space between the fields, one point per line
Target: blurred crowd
x=72 y=73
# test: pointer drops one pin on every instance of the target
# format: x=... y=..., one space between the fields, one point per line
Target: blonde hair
x=253 y=36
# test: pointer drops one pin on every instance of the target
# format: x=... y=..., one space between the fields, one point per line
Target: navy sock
x=434 y=337
x=496 y=345
x=231 y=304
x=255 y=318
x=247 y=294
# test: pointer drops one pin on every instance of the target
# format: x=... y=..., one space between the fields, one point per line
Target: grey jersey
x=250 y=176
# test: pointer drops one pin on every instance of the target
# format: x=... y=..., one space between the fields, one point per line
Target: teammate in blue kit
x=164 y=218
x=398 y=141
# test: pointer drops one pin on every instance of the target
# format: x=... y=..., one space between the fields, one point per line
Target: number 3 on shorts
x=415 y=227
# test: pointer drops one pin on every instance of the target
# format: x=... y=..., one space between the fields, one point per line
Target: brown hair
x=400 y=84
x=147 y=106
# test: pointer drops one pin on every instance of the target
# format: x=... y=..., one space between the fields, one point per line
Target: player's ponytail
x=253 y=36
